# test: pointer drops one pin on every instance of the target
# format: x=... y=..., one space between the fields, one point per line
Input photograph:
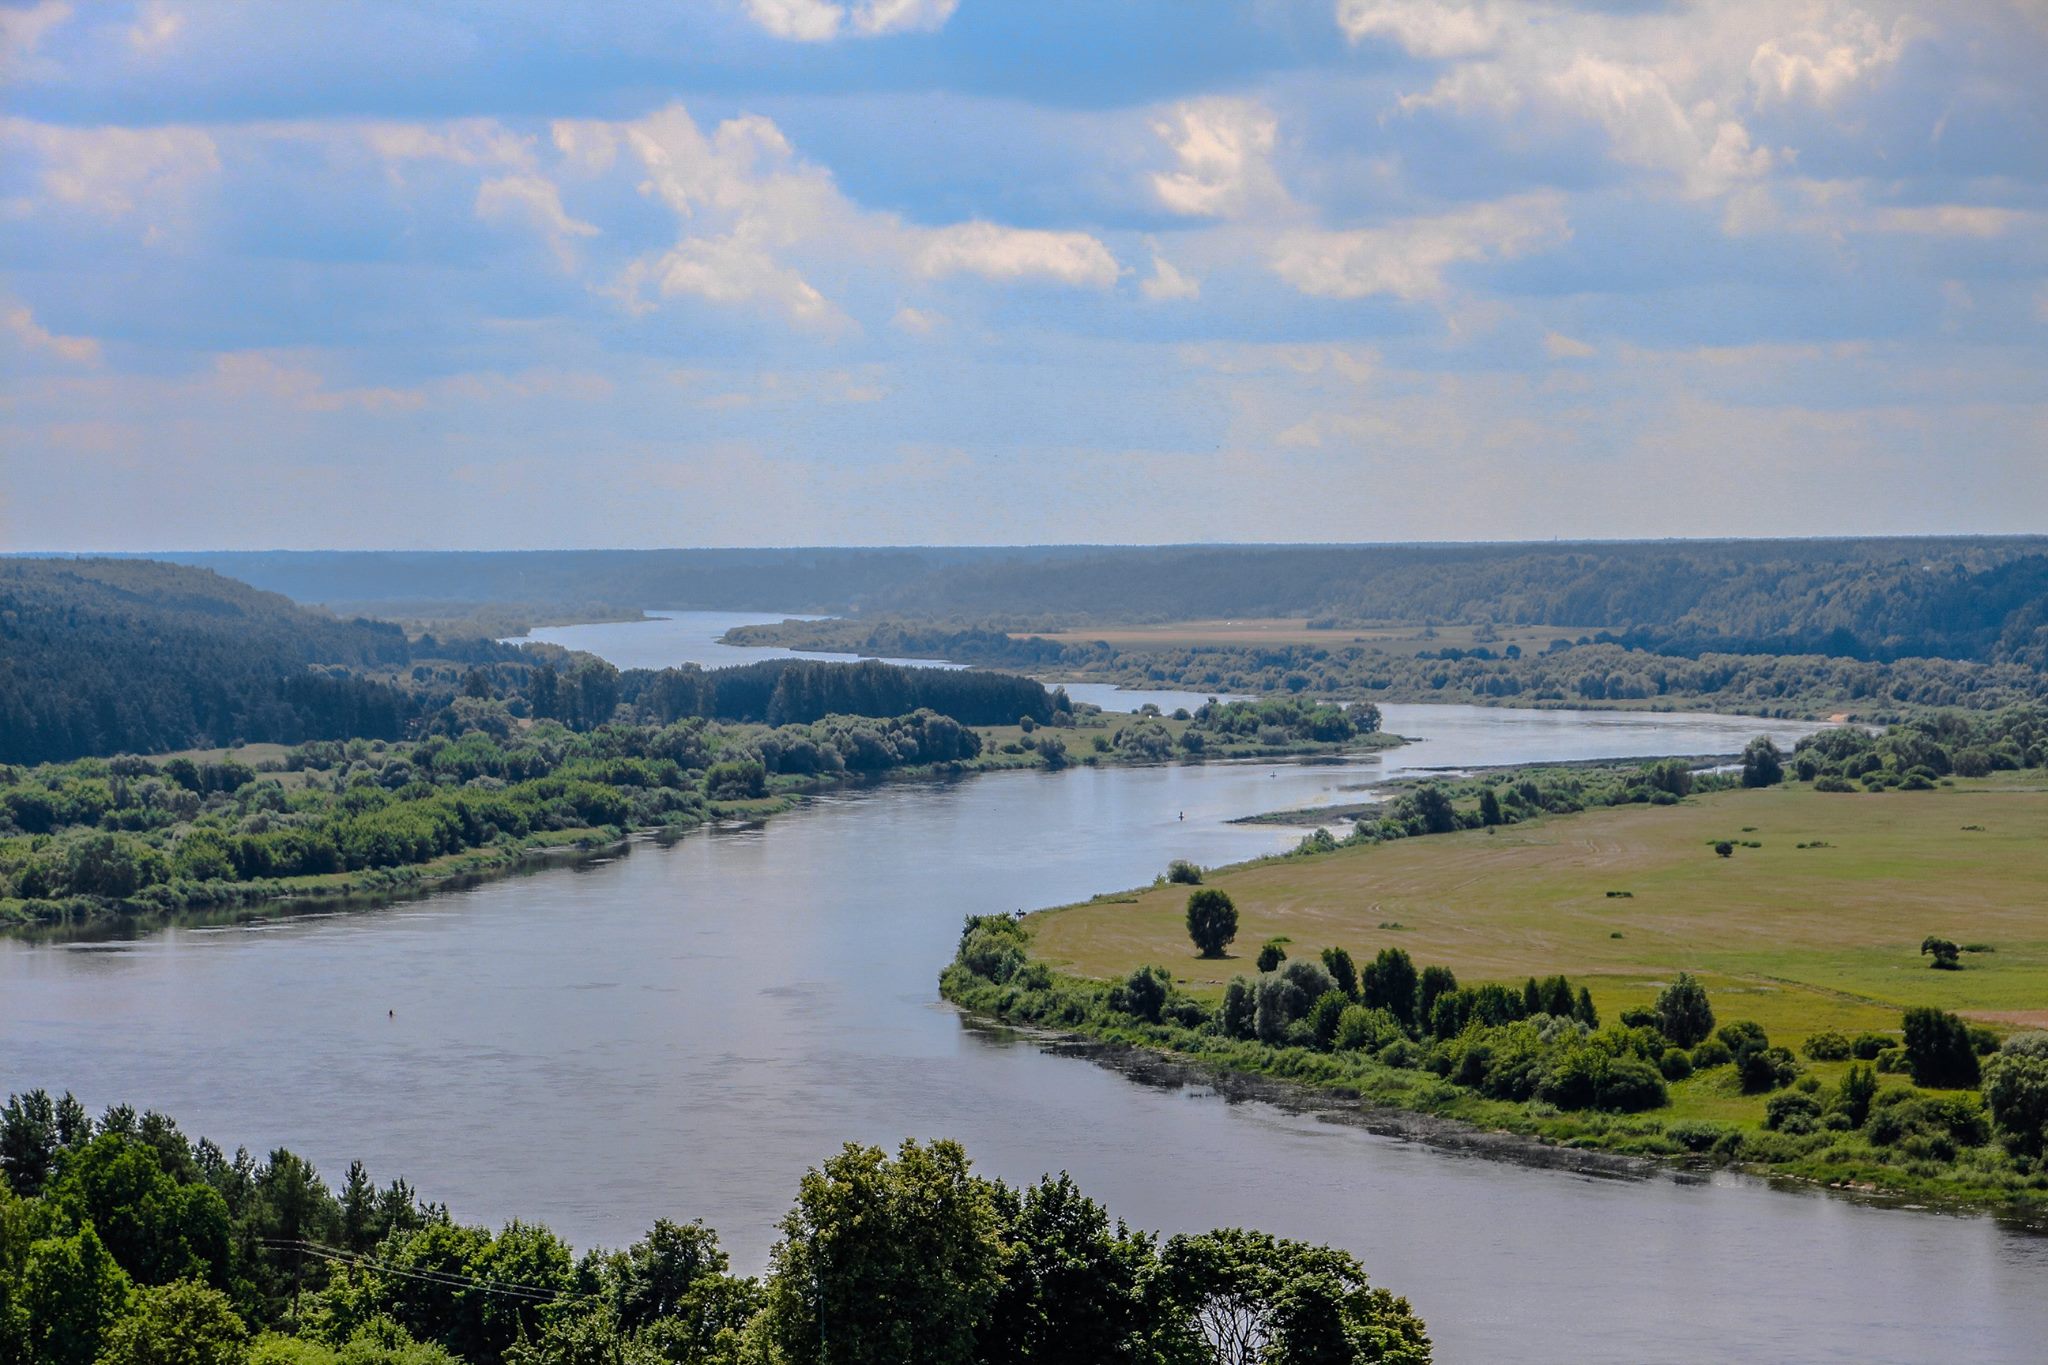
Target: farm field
x=1817 y=926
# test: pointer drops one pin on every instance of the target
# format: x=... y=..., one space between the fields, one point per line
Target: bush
x=1212 y=921
x=1866 y=1046
x=1831 y=783
x=2016 y=1092
x=1768 y=1068
x=1240 y=1007
x=1143 y=994
x=1181 y=872
x=1938 y=1049
x=1947 y=957
x=1792 y=1112
x=1271 y=954
x=1675 y=1064
x=1711 y=1053
x=1362 y=1029
x=1324 y=1016
x=1826 y=1046
x=1697 y=1135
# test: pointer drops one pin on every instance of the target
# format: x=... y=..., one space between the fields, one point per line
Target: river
x=682 y=1030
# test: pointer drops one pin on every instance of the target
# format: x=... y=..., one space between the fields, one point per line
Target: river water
x=682 y=1030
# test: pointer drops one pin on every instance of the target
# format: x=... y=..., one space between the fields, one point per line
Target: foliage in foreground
x=123 y=1244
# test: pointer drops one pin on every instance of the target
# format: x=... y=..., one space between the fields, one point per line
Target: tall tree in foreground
x=1212 y=920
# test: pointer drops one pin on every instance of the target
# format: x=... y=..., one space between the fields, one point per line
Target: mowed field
x=1293 y=630
x=1799 y=939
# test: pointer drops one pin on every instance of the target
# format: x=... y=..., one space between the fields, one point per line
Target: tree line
x=124 y=1243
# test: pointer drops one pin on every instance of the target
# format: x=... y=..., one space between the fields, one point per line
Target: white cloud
x=1820 y=66
x=1424 y=28
x=1167 y=283
x=995 y=252
x=1558 y=346
x=917 y=321
x=21 y=324
x=1407 y=259
x=820 y=21
x=1222 y=148
x=22 y=31
x=114 y=171
x=1671 y=86
x=156 y=27
x=282 y=378
x=538 y=201
x=465 y=142
x=1950 y=220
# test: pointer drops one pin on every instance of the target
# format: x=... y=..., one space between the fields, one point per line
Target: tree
x=2016 y=1092
x=180 y=1323
x=1434 y=809
x=1342 y=970
x=1143 y=994
x=919 y=1234
x=1181 y=872
x=1237 y=1297
x=1390 y=982
x=1489 y=807
x=1947 y=957
x=1433 y=985
x=1938 y=1049
x=1212 y=920
x=74 y=1293
x=1272 y=953
x=1859 y=1088
x=1240 y=1007
x=28 y=1140
x=1725 y=848
x=1073 y=1286
x=1762 y=764
x=1683 y=1014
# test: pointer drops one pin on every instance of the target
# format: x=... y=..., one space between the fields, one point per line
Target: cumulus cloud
x=22 y=31
x=1558 y=346
x=1407 y=259
x=820 y=21
x=1168 y=284
x=1674 y=88
x=113 y=172
x=538 y=201
x=1021 y=254
x=1222 y=149
x=20 y=323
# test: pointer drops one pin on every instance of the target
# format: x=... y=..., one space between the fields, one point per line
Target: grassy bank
x=1811 y=927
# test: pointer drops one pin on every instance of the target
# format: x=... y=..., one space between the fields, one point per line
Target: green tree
x=1212 y=920
x=1245 y=1298
x=2016 y=1093
x=919 y=1234
x=1391 y=983
x=1489 y=807
x=74 y=1293
x=1938 y=1049
x=1683 y=1012
x=1762 y=764
x=180 y=1323
x=1854 y=1098
x=1342 y=969
x=1073 y=1286
x=1947 y=956
x=1272 y=953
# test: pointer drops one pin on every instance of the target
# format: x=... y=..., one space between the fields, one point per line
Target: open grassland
x=1799 y=939
x=1294 y=630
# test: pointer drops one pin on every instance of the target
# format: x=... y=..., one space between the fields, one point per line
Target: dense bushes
x=121 y=1243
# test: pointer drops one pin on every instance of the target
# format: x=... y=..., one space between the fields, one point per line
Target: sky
x=514 y=273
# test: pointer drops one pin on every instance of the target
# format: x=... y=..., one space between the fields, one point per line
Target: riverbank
x=1807 y=928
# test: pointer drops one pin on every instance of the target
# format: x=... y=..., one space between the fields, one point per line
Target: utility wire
x=446 y=1279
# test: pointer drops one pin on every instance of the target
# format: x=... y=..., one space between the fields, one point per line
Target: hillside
x=99 y=655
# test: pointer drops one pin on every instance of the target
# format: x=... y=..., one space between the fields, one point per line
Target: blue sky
x=730 y=272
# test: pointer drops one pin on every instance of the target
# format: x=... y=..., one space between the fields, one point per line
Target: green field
x=1799 y=939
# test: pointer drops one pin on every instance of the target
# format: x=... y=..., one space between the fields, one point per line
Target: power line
x=445 y=1279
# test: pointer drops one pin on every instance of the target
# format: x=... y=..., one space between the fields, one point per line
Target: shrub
x=1857 y=1091
x=1831 y=783
x=1947 y=957
x=1683 y=1012
x=1697 y=1135
x=1279 y=1003
x=1143 y=994
x=1711 y=1053
x=1240 y=1007
x=1892 y=1061
x=1938 y=1049
x=1323 y=1017
x=1866 y=1046
x=1768 y=1068
x=1212 y=921
x=1362 y=1029
x=1676 y=1064
x=1826 y=1046
x=1181 y=872
x=1272 y=954
x=1725 y=848
x=2016 y=1092
x=1792 y=1112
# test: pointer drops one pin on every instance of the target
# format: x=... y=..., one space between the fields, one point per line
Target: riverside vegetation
x=1830 y=965
x=99 y=838
x=123 y=1243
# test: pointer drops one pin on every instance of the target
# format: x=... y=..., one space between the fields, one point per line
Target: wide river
x=683 y=1030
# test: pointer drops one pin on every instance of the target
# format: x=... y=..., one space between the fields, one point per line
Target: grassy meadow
x=1817 y=926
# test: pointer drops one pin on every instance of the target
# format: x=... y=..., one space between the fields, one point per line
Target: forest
x=1983 y=599
x=102 y=656
x=122 y=1242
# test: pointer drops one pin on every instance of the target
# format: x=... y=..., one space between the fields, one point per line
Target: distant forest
x=112 y=656
x=1983 y=599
